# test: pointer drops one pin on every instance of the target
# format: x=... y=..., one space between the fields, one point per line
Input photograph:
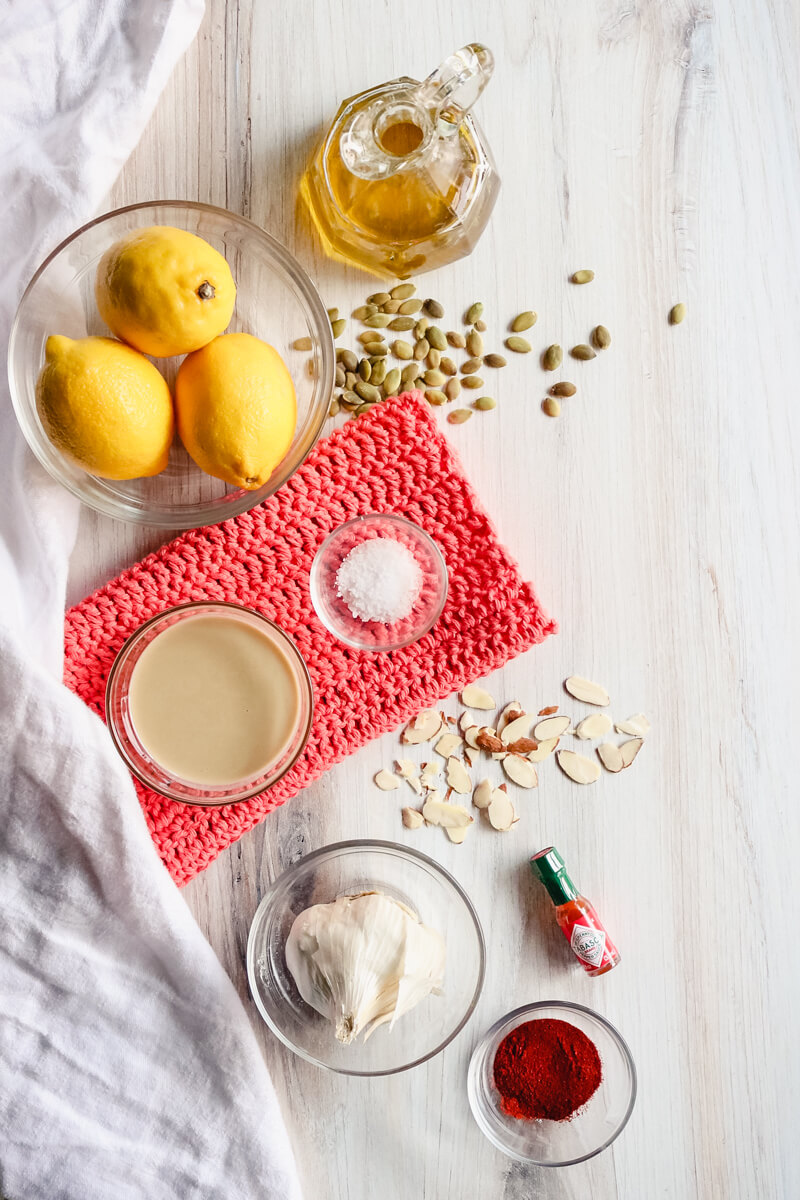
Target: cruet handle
x=450 y=92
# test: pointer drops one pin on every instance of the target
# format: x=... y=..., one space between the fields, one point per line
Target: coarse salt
x=379 y=580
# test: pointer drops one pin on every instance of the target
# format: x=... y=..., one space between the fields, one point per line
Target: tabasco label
x=589 y=944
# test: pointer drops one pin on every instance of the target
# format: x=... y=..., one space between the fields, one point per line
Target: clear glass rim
x=119 y=662
x=383 y=647
x=334 y=849
x=224 y=508
x=514 y=1017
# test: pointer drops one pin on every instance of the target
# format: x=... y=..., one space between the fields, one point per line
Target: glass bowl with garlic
x=366 y=958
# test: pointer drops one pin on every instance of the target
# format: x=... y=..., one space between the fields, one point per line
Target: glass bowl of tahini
x=209 y=703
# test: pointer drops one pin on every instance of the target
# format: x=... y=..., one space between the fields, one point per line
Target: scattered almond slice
x=428 y=774
x=630 y=749
x=511 y=711
x=548 y=711
x=501 y=812
x=449 y=816
x=636 y=726
x=519 y=727
x=386 y=781
x=488 y=740
x=587 y=691
x=457 y=777
x=422 y=728
x=482 y=796
x=406 y=768
x=415 y=784
x=543 y=750
x=471 y=737
x=473 y=696
x=447 y=744
x=520 y=770
x=551 y=727
x=578 y=767
x=610 y=756
x=412 y=818
x=522 y=745
x=466 y=721
x=594 y=726
x=470 y=756
x=457 y=835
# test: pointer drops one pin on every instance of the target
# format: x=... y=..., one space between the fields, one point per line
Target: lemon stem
x=206 y=291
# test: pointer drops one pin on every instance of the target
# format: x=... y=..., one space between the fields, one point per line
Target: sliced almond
x=470 y=756
x=482 y=796
x=466 y=721
x=476 y=697
x=635 y=726
x=449 y=816
x=405 y=768
x=520 y=770
x=548 y=712
x=415 y=784
x=610 y=756
x=519 y=727
x=386 y=781
x=586 y=690
x=543 y=750
x=551 y=727
x=471 y=737
x=595 y=726
x=488 y=740
x=523 y=746
x=457 y=835
x=412 y=818
x=447 y=744
x=457 y=777
x=630 y=749
x=422 y=728
x=501 y=812
x=429 y=773
x=511 y=711
x=578 y=767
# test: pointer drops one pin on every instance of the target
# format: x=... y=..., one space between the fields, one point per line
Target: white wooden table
x=657 y=144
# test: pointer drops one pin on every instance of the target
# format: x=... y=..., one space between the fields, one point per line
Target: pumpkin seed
x=391 y=307
x=447 y=365
x=379 y=370
x=333 y=314
x=401 y=349
x=583 y=352
x=378 y=298
x=403 y=291
x=434 y=379
x=552 y=357
x=402 y=324
x=601 y=337
x=551 y=407
x=303 y=343
x=677 y=313
x=458 y=416
x=481 y=326
x=473 y=313
x=368 y=335
x=378 y=320
x=520 y=345
x=475 y=343
x=485 y=403
x=366 y=391
x=435 y=397
x=433 y=359
x=349 y=399
x=422 y=326
x=391 y=382
x=365 y=370
x=470 y=366
x=583 y=277
x=456 y=340
x=452 y=389
x=350 y=379
x=410 y=306
x=494 y=360
x=434 y=309
x=563 y=389
x=376 y=349
x=333 y=408
x=364 y=311
x=472 y=381
x=411 y=373
x=341 y=376
x=524 y=320
x=364 y=408
x=436 y=338
x=421 y=349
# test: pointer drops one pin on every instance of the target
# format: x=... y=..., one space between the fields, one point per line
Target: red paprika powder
x=546 y=1069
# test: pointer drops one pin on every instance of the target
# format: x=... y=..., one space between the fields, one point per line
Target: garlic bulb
x=363 y=960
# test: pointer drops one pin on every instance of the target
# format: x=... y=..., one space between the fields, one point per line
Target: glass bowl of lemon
x=262 y=293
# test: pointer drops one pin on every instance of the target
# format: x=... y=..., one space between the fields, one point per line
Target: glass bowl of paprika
x=552 y=1083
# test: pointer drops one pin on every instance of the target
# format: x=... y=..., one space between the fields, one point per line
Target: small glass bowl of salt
x=378 y=582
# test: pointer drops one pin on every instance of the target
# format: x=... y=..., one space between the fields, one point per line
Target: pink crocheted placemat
x=393 y=459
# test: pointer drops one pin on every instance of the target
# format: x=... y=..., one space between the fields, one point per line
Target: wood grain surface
x=656 y=143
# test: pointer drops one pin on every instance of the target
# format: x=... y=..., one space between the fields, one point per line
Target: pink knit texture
x=393 y=459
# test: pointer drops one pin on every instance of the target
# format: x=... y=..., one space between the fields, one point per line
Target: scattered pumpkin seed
x=563 y=389
x=447 y=365
x=411 y=373
x=378 y=320
x=333 y=408
x=458 y=416
x=524 y=320
x=520 y=345
x=364 y=408
x=494 y=360
x=583 y=277
x=350 y=379
x=349 y=398
x=434 y=379
x=583 y=352
x=470 y=366
x=303 y=343
x=333 y=314
x=472 y=381
x=485 y=403
x=456 y=339
x=376 y=349
x=601 y=337
x=473 y=313
x=401 y=349
x=365 y=370
x=403 y=291
x=378 y=298
x=402 y=324
x=391 y=307
x=410 y=306
x=481 y=326
x=341 y=376
x=552 y=357
x=677 y=313
x=452 y=389
x=391 y=382
x=435 y=397
x=368 y=335
x=421 y=349
x=434 y=309
x=551 y=407
x=364 y=311
x=366 y=391
x=434 y=358
x=422 y=326
x=436 y=338
x=379 y=372
x=475 y=343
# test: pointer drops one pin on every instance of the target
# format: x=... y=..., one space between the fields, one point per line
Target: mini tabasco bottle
x=577 y=918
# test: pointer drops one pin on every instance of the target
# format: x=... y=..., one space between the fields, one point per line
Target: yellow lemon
x=105 y=406
x=164 y=290
x=236 y=409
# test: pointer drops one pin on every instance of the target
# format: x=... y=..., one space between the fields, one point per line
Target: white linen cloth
x=128 y=1068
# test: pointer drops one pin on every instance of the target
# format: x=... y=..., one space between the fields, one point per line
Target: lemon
x=164 y=290
x=236 y=409
x=105 y=406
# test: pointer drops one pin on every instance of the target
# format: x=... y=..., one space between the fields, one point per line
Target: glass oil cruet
x=403 y=180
